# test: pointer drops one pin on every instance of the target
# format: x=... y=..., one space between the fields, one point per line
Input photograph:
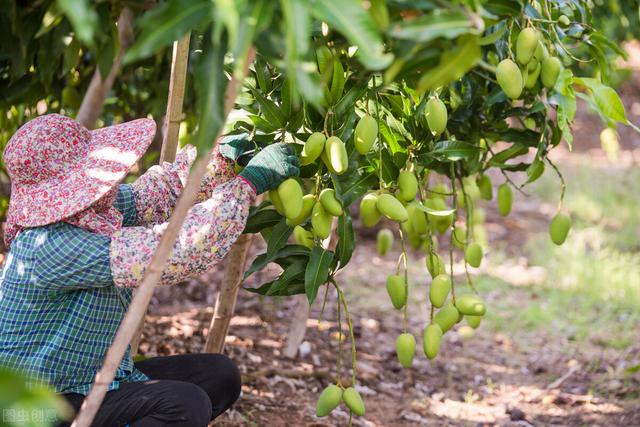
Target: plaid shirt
x=59 y=308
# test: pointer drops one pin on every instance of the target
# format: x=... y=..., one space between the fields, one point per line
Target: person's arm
x=210 y=228
x=125 y=203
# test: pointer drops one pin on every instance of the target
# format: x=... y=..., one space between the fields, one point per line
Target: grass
x=592 y=286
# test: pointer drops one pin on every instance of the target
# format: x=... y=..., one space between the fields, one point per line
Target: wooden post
x=226 y=302
x=172 y=120
x=153 y=273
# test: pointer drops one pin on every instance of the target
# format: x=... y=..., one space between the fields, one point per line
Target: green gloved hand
x=270 y=167
x=237 y=148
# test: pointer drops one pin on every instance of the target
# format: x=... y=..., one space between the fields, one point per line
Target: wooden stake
x=172 y=120
x=152 y=275
x=226 y=302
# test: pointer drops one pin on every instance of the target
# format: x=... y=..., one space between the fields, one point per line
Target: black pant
x=184 y=390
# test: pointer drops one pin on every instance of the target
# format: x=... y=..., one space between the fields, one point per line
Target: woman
x=80 y=242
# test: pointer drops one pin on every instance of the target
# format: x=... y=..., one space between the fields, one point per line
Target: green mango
x=473 y=254
x=276 y=202
x=336 y=155
x=535 y=170
x=365 y=134
x=405 y=349
x=459 y=236
x=437 y=116
x=321 y=221
x=353 y=401
x=435 y=266
x=510 y=78
x=505 y=199
x=407 y=186
x=551 y=68
x=329 y=399
x=471 y=305
x=290 y=194
x=303 y=237
x=473 y=321
x=526 y=45
x=384 y=241
x=417 y=218
x=564 y=20
x=308 y=200
x=391 y=207
x=313 y=148
x=397 y=290
x=431 y=339
x=559 y=228
x=369 y=212
x=439 y=290
x=484 y=185
x=532 y=78
x=446 y=317
x=330 y=202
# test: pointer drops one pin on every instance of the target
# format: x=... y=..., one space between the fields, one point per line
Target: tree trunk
x=93 y=100
x=152 y=275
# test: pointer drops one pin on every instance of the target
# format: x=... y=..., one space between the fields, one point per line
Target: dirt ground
x=489 y=379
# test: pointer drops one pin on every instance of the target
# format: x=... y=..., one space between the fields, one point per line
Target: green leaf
x=352 y=186
x=337 y=81
x=271 y=112
x=509 y=153
x=294 y=271
x=317 y=271
x=506 y=8
x=279 y=237
x=260 y=219
x=83 y=17
x=453 y=64
x=434 y=212
x=351 y=19
x=166 y=23
x=605 y=98
x=441 y=23
x=494 y=34
x=287 y=252
x=210 y=81
x=452 y=151
x=347 y=239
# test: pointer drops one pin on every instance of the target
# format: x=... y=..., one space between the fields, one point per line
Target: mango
x=384 y=241
x=473 y=321
x=417 y=218
x=505 y=199
x=559 y=228
x=397 y=290
x=405 y=349
x=459 y=236
x=470 y=305
x=435 y=265
x=369 y=212
x=541 y=52
x=486 y=188
x=290 y=194
x=276 y=202
x=437 y=117
x=446 y=317
x=473 y=254
x=321 y=221
x=439 y=290
x=526 y=45
x=532 y=78
x=564 y=20
x=353 y=401
x=510 y=78
x=532 y=65
x=336 y=155
x=308 y=200
x=415 y=241
x=535 y=170
x=329 y=399
x=431 y=340
x=330 y=202
x=365 y=134
x=303 y=237
x=312 y=148
x=391 y=207
x=407 y=186
x=551 y=68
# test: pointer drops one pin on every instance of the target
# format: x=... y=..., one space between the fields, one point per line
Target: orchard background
x=559 y=341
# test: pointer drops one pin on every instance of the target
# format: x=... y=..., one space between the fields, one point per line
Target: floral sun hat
x=59 y=168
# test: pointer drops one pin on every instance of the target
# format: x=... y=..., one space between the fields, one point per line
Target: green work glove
x=270 y=167
x=237 y=148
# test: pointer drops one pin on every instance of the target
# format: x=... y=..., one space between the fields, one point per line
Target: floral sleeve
x=157 y=191
x=209 y=230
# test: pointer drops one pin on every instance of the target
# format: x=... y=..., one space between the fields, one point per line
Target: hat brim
x=112 y=152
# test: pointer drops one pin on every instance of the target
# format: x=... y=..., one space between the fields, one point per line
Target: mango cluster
x=333 y=395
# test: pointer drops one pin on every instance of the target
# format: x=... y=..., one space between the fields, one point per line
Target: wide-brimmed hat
x=59 y=168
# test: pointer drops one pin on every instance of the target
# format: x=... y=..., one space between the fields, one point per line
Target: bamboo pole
x=226 y=302
x=152 y=275
x=172 y=120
